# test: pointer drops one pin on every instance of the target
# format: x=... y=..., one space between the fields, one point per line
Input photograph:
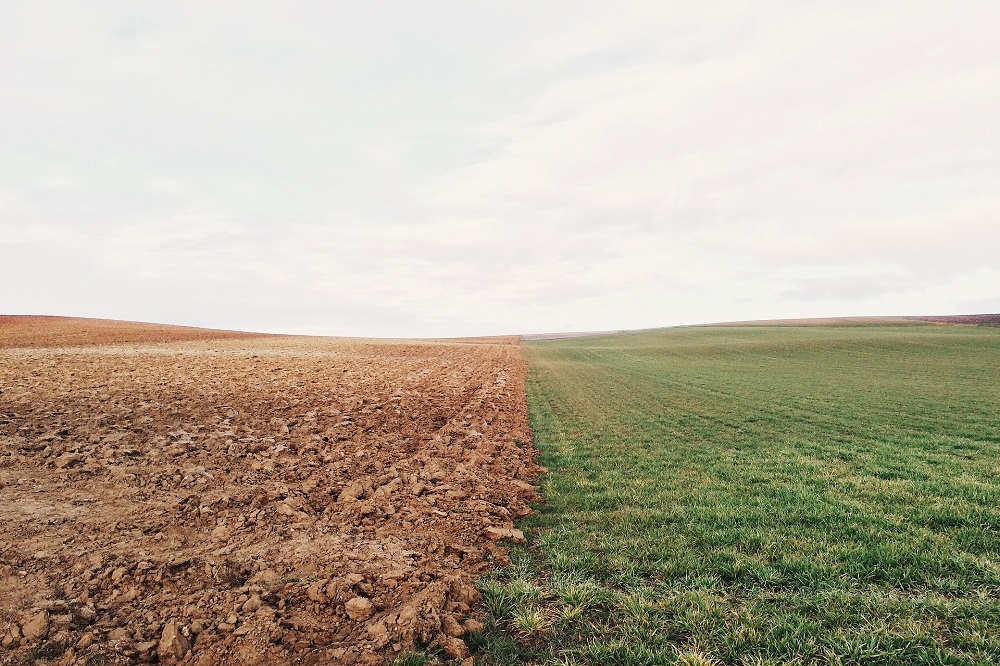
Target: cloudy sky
x=461 y=168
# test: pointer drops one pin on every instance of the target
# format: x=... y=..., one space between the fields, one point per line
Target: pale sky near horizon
x=467 y=168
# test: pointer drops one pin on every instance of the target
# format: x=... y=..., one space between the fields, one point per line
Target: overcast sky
x=463 y=168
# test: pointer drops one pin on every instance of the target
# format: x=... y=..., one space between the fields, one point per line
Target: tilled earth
x=256 y=499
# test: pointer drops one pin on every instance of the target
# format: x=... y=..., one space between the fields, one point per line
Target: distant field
x=38 y=331
x=761 y=495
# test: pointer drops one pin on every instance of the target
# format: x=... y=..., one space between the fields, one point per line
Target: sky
x=435 y=169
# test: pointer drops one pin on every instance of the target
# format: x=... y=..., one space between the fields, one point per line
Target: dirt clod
x=119 y=634
x=451 y=626
x=359 y=608
x=36 y=627
x=173 y=644
x=454 y=647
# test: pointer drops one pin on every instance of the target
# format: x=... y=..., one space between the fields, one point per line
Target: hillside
x=45 y=331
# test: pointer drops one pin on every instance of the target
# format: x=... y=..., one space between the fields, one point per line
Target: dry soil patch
x=254 y=500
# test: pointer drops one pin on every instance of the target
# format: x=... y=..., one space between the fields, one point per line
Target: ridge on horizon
x=60 y=330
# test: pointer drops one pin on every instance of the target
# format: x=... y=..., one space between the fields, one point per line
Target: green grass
x=758 y=495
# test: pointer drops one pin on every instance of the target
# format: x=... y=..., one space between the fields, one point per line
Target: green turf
x=760 y=495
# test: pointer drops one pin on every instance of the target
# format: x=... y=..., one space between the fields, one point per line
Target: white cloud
x=465 y=169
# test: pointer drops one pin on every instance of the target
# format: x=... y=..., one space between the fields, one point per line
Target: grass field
x=760 y=495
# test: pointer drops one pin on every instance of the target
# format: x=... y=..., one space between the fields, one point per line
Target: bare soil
x=964 y=320
x=243 y=499
x=38 y=331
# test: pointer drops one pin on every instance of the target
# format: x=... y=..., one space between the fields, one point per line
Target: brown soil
x=963 y=320
x=33 y=331
x=253 y=500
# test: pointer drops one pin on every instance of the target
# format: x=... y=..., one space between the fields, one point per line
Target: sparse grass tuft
x=578 y=594
x=411 y=659
x=523 y=591
x=529 y=619
x=497 y=600
x=694 y=658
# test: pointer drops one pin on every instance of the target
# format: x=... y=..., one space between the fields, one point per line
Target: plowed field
x=28 y=331
x=255 y=499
